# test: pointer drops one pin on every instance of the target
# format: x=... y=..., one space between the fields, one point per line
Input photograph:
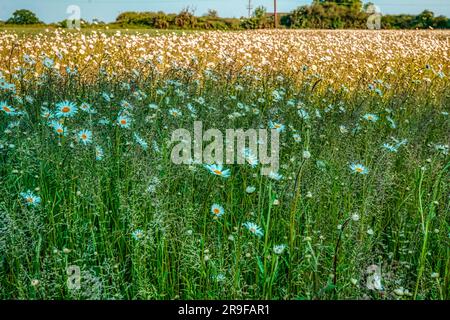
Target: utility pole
x=275 y=19
x=249 y=8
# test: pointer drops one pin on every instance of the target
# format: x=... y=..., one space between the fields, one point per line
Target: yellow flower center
x=65 y=109
x=218 y=172
x=6 y=109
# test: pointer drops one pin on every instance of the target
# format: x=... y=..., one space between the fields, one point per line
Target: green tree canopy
x=23 y=16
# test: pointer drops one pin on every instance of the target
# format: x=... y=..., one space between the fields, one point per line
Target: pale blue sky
x=107 y=10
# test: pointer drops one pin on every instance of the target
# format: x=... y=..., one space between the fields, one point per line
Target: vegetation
x=23 y=17
x=93 y=207
x=321 y=14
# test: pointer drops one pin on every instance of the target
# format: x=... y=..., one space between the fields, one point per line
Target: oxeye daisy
x=218 y=170
x=86 y=107
x=46 y=113
x=442 y=148
x=99 y=153
x=58 y=127
x=175 y=112
x=358 y=168
x=71 y=71
x=30 y=198
x=7 y=109
x=85 y=136
x=279 y=249
x=126 y=105
x=140 y=141
x=138 y=234
x=297 y=137
x=277 y=126
x=254 y=229
x=250 y=189
x=371 y=117
x=66 y=109
x=389 y=147
x=303 y=114
x=275 y=176
x=251 y=159
x=106 y=96
x=392 y=123
x=343 y=129
x=103 y=121
x=48 y=62
x=28 y=59
x=124 y=121
x=191 y=108
x=217 y=210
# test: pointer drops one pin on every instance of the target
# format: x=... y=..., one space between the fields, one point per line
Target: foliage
x=258 y=20
x=22 y=17
x=321 y=14
x=326 y=14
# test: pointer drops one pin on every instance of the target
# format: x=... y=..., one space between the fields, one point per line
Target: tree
x=212 y=13
x=348 y=3
x=23 y=16
x=258 y=20
x=441 y=22
x=424 y=20
x=186 y=19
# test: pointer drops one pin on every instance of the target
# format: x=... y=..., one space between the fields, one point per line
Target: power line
x=275 y=13
x=249 y=8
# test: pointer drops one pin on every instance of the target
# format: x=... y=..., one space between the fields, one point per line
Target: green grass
x=91 y=208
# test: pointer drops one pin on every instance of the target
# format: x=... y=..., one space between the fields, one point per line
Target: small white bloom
x=306 y=154
x=250 y=189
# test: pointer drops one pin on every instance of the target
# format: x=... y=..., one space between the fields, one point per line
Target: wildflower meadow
x=93 y=206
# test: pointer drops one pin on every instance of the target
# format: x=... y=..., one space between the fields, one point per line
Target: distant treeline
x=321 y=14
